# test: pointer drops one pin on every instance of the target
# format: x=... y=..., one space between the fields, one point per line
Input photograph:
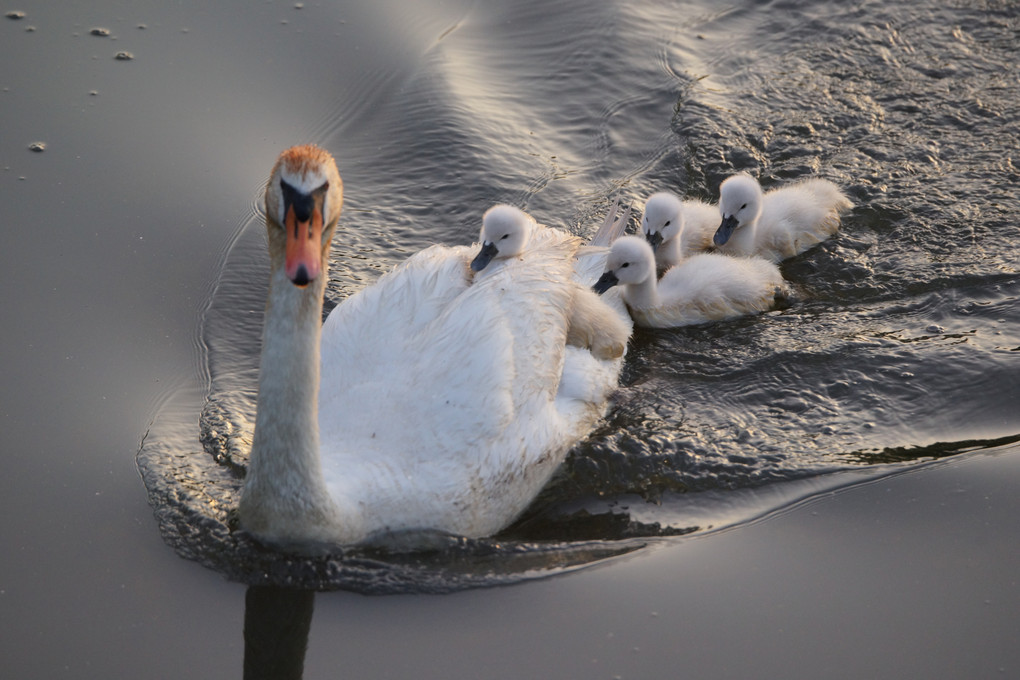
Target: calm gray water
x=135 y=273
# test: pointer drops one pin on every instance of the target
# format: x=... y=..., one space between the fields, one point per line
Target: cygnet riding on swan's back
x=704 y=287
x=593 y=324
x=676 y=228
x=780 y=224
x=436 y=403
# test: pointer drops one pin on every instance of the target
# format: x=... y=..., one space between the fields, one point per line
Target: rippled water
x=900 y=345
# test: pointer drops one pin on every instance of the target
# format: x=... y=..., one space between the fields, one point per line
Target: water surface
x=135 y=278
x=719 y=423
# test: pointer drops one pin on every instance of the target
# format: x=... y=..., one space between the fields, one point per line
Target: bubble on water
x=93 y=93
x=30 y=29
x=101 y=32
x=38 y=147
x=935 y=328
x=142 y=27
x=123 y=56
x=15 y=15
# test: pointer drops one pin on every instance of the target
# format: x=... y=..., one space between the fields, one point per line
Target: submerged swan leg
x=594 y=325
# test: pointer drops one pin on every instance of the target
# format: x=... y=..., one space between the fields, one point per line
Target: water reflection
x=276 y=626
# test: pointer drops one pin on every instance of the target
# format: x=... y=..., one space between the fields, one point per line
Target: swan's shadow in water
x=276 y=626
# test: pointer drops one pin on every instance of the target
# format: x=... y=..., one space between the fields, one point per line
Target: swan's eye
x=666 y=224
x=624 y=265
x=504 y=237
x=743 y=206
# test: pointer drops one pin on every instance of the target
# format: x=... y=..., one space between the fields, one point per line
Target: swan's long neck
x=672 y=250
x=284 y=492
x=644 y=295
x=748 y=234
x=745 y=237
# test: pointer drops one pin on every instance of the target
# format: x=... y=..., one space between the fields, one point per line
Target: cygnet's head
x=505 y=233
x=740 y=200
x=663 y=218
x=630 y=261
x=304 y=197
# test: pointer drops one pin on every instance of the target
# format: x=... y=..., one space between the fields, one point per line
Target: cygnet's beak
x=725 y=230
x=605 y=282
x=484 y=256
x=654 y=239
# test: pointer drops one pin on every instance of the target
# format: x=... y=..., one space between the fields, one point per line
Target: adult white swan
x=781 y=223
x=436 y=402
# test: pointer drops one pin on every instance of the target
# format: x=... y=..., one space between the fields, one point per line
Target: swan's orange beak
x=304 y=246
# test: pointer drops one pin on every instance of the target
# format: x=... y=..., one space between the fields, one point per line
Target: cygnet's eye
x=667 y=223
x=504 y=237
x=624 y=265
x=743 y=206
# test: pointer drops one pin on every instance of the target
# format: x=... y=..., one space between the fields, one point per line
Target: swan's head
x=303 y=201
x=505 y=233
x=630 y=261
x=663 y=218
x=740 y=201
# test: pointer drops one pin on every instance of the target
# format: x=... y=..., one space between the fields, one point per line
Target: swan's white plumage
x=781 y=223
x=440 y=411
x=703 y=287
x=447 y=400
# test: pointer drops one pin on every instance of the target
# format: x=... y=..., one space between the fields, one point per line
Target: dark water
x=135 y=279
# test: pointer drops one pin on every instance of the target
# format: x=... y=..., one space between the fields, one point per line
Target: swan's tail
x=828 y=194
x=612 y=227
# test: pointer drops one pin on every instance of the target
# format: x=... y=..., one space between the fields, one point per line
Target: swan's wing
x=589 y=264
x=591 y=259
x=437 y=403
x=408 y=296
x=613 y=226
x=385 y=345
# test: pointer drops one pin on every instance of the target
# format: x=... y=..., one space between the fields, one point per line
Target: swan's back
x=713 y=287
x=701 y=220
x=437 y=406
x=798 y=217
